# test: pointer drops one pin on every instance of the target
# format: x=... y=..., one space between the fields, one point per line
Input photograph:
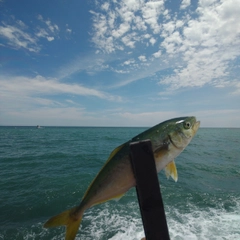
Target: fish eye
x=187 y=125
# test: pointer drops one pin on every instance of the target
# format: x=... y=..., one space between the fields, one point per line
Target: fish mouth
x=196 y=126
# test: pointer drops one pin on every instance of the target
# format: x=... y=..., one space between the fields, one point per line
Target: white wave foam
x=124 y=223
x=204 y=224
x=112 y=224
x=197 y=224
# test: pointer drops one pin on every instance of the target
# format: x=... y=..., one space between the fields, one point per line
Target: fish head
x=176 y=132
x=169 y=139
x=182 y=130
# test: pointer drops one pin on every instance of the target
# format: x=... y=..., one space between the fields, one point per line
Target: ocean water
x=46 y=171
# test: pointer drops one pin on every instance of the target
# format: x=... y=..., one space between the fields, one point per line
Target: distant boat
x=38 y=126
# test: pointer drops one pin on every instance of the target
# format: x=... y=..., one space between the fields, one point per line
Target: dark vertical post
x=148 y=191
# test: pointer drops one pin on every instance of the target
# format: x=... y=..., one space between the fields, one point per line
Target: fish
x=116 y=177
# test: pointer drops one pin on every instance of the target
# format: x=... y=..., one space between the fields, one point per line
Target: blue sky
x=119 y=63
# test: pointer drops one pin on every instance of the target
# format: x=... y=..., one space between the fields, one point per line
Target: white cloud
x=37 y=86
x=185 y=4
x=128 y=62
x=151 y=12
x=50 y=39
x=172 y=42
x=208 y=44
x=45 y=116
x=70 y=101
x=139 y=24
x=40 y=17
x=145 y=118
x=112 y=29
x=68 y=30
x=91 y=64
x=218 y=118
x=129 y=40
x=43 y=101
x=168 y=28
x=133 y=5
x=42 y=33
x=197 y=46
x=52 y=27
x=152 y=41
x=157 y=54
x=123 y=28
x=101 y=36
x=48 y=30
x=105 y=6
x=236 y=86
x=18 y=38
x=147 y=35
x=179 y=23
x=142 y=58
x=120 y=71
x=21 y=24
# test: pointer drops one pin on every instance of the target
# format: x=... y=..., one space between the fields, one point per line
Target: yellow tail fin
x=68 y=219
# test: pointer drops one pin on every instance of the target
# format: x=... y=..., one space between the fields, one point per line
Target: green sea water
x=46 y=171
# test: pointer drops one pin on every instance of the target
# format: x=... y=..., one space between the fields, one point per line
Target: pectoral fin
x=171 y=170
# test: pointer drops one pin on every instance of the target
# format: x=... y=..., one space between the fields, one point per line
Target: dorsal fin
x=113 y=153
x=117 y=149
x=171 y=170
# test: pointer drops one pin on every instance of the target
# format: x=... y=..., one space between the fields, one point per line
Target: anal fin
x=171 y=171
